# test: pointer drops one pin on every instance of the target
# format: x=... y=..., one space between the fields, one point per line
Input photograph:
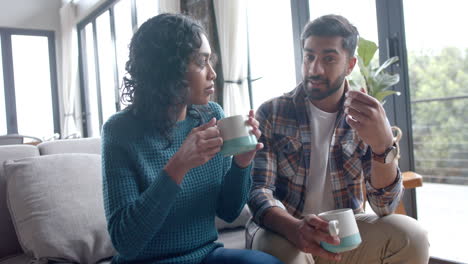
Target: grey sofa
x=29 y=195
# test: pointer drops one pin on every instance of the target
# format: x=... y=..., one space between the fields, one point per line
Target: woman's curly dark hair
x=160 y=52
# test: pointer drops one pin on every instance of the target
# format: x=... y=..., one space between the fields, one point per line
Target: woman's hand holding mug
x=200 y=146
x=240 y=134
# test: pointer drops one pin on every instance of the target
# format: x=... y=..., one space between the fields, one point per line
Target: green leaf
x=377 y=81
x=365 y=73
x=386 y=80
x=372 y=87
x=386 y=64
x=366 y=50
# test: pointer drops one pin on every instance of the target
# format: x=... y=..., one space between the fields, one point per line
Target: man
x=325 y=148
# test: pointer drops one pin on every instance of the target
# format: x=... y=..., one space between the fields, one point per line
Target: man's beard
x=316 y=94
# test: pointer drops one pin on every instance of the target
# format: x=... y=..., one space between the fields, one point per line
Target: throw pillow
x=57 y=207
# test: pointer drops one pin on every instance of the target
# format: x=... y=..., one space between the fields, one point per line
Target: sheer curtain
x=71 y=120
x=232 y=30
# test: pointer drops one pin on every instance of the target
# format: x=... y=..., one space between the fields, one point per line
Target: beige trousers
x=392 y=239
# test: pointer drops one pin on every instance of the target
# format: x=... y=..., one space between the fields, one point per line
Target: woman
x=164 y=180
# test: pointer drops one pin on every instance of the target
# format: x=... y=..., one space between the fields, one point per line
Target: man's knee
x=274 y=244
x=409 y=230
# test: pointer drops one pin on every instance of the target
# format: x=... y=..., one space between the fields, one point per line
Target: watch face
x=391 y=155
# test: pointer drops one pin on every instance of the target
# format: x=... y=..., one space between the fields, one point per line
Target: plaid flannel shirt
x=281 y=167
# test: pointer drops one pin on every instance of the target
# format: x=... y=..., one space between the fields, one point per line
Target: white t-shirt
x=319 y=197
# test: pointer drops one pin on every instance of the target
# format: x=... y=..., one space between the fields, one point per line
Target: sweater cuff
x=240 y=169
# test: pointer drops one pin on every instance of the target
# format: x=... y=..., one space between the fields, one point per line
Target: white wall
x=30 y=14
x=33 y=14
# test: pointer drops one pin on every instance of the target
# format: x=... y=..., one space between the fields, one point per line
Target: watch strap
x=381 y=157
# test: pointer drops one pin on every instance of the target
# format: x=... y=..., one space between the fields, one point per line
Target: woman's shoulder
x=216 y=109
x=210 y=110
x=122 y=121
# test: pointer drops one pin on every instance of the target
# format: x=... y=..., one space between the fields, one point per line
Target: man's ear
x=351 y=63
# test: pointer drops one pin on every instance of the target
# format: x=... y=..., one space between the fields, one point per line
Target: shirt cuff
x=392 y=188
x=258 y=217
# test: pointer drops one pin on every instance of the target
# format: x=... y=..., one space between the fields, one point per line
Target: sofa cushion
x=57 y=208
x=80 y=145
x=8 y=242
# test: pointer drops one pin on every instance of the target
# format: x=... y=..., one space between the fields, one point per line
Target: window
x=271 y=49
x=94 y=116
x=104 y=39
x=363 y=16
x=106 y=66
x=32 y=85
x=123 y=35
x=438 y=74
x=3 y=127
x=29 y=103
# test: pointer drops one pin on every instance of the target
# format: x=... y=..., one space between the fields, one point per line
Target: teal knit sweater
x=150 y=218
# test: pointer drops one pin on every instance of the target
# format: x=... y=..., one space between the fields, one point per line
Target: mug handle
x=333 y=228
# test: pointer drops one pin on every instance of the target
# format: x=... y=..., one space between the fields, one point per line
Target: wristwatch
x=388 y=156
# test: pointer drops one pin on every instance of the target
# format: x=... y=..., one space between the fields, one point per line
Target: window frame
x=8 y=75
x=300 y=15
x=392 y=42
x=108 y=6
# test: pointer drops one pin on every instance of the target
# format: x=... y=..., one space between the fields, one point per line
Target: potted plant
x=374 y=79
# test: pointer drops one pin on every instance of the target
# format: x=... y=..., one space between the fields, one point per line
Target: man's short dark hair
x=332 y=26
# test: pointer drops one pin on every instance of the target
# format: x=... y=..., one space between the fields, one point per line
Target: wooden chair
x=410 y=180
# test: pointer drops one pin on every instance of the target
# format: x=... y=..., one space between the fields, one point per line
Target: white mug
x=341 y=223
x=237 y=135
